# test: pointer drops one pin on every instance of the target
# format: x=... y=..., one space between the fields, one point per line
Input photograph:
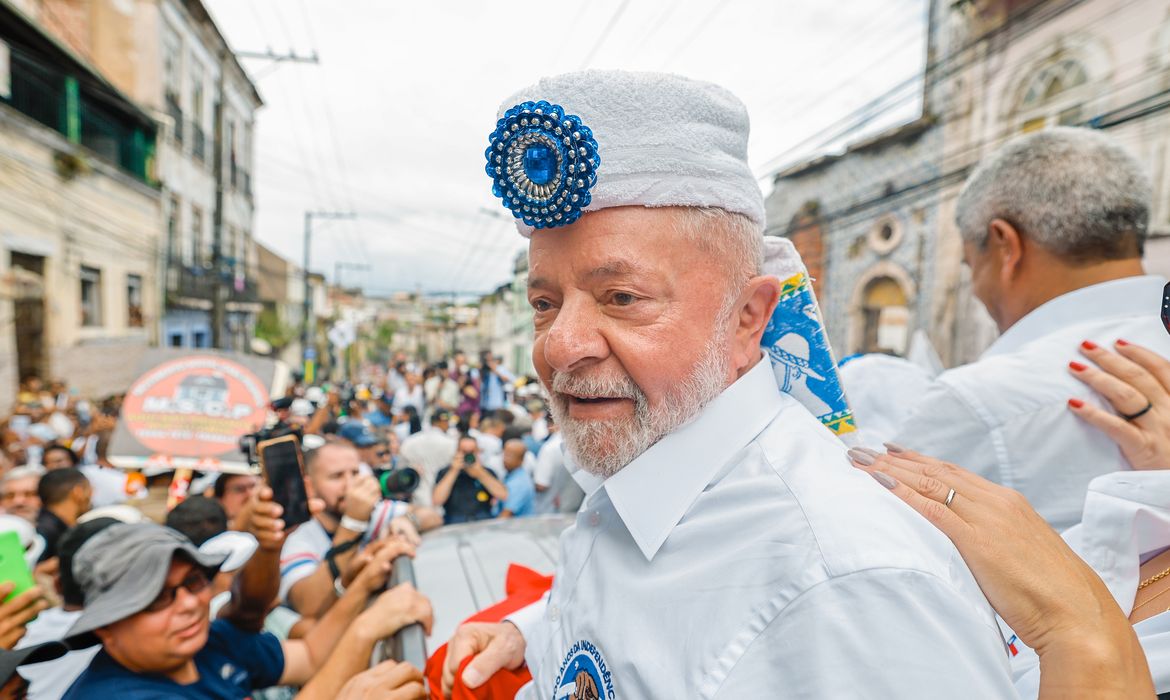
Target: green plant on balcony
x=270 y=329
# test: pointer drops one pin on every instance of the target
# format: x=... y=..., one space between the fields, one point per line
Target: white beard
x=604 y=447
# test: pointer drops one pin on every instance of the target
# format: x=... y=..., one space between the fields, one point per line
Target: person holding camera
x=465 y=489
x=315 y=562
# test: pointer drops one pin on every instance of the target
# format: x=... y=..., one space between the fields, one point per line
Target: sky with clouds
x=392 y=122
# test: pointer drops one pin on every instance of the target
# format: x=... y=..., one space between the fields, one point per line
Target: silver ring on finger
x=950 y=497
x=1134 y=416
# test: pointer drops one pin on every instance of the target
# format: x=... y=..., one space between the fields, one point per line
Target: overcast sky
x=393 y=121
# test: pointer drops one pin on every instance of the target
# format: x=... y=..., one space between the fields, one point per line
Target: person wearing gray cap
x=147 y=594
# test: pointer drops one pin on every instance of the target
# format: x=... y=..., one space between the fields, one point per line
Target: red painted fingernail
x=1089 y=345
x=1076 y=403
x=1077 y=367
x=1122 y=342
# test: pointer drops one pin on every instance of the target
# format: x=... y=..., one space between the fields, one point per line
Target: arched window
x=885 y=317
x=1051 y=97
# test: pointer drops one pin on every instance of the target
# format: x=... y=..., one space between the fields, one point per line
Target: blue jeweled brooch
x=543 y=163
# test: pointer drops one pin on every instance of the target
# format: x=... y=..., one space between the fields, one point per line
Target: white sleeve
x=528 y=620
x=298 y=559
x=546 y=465
x=947 y=426
x=879 y=633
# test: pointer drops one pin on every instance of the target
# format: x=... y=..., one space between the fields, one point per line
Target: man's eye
x=624 y=298
x=541 y=305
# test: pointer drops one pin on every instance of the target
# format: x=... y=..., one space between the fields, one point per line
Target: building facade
x=169 y=57
x=79 y=212
x=877 y=220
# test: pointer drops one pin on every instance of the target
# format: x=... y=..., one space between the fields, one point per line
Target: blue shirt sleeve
x=259 y=654
x=521 y=492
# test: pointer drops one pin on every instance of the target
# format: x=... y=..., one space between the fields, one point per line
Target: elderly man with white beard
x=725 y=547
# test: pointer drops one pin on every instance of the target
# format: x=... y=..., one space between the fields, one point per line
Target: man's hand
x=396 y=608
x=403 y=529
x=361 y=497
x=16 y=613
x=260 y=517
x=389 y=680
x=495 y=646
x=376 y=561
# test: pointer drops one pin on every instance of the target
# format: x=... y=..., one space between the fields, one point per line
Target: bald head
x=514 y=451
x=329 y=453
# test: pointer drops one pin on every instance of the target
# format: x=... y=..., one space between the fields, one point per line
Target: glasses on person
x=195 y=582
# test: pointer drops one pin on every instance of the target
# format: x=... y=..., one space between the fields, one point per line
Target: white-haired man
x=725 y=548
x=1053 y=226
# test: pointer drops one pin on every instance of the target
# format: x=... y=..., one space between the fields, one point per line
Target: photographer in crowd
x=465 y=488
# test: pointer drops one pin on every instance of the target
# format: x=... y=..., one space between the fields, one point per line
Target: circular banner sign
x=196 y=406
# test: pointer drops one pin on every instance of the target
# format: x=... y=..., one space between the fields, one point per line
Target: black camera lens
x=469 y=459
x=397 y=482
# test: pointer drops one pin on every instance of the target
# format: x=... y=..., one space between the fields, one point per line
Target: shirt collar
x=1129 y=296
x=652 y=493
x=1126 y=517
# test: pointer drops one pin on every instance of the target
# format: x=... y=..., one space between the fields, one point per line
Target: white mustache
x=619 y=387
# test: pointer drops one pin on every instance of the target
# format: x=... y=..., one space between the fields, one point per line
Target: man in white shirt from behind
x=428 y=451
x=1053 y=225
x=725 y=548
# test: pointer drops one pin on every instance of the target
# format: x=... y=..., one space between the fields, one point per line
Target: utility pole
x=310 y=353
x=219 y=293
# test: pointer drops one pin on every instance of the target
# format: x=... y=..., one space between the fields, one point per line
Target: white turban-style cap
x=663 y=140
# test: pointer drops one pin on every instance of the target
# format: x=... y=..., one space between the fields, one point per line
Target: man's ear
x=1007 y=244
x=753 y=310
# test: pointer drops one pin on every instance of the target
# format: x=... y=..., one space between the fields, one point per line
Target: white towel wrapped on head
x=664 y=140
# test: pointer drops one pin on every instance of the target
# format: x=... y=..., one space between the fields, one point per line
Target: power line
x=942 y=68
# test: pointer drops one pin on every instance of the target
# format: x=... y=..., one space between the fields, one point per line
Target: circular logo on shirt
x=584 y=675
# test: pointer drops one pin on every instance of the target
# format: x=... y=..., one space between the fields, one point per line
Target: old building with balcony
x=79 y=213
x=169 y=57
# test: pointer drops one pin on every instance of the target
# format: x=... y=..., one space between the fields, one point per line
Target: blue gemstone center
x=540 y=164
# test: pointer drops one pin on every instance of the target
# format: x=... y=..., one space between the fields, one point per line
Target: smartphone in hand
x=283 y=467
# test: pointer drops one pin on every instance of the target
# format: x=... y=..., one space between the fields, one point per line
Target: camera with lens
x=397 y=484
x=248 y=442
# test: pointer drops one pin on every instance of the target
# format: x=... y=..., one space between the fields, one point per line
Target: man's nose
x=575 y=338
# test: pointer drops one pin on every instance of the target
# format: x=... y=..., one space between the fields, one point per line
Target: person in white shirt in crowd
x=314 y=561
x=539 y=421
x=490 y=439
x=556 y=490
x=427 y=452
x=1053 y=226
x=447 y=398
x=410 y=394
x=719 y=510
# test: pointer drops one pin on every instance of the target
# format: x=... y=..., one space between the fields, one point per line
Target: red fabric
x=523 y=586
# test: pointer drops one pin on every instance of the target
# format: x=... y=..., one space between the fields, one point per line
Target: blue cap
x=357 y=433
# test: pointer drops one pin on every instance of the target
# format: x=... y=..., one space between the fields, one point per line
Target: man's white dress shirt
x=742 y=557
x=1126 y=522
x=1006 y=416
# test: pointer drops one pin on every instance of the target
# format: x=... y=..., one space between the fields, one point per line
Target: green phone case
x=12 y=565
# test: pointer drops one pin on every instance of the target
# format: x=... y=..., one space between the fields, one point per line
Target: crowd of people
x=726 y=543
x=284 y=610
